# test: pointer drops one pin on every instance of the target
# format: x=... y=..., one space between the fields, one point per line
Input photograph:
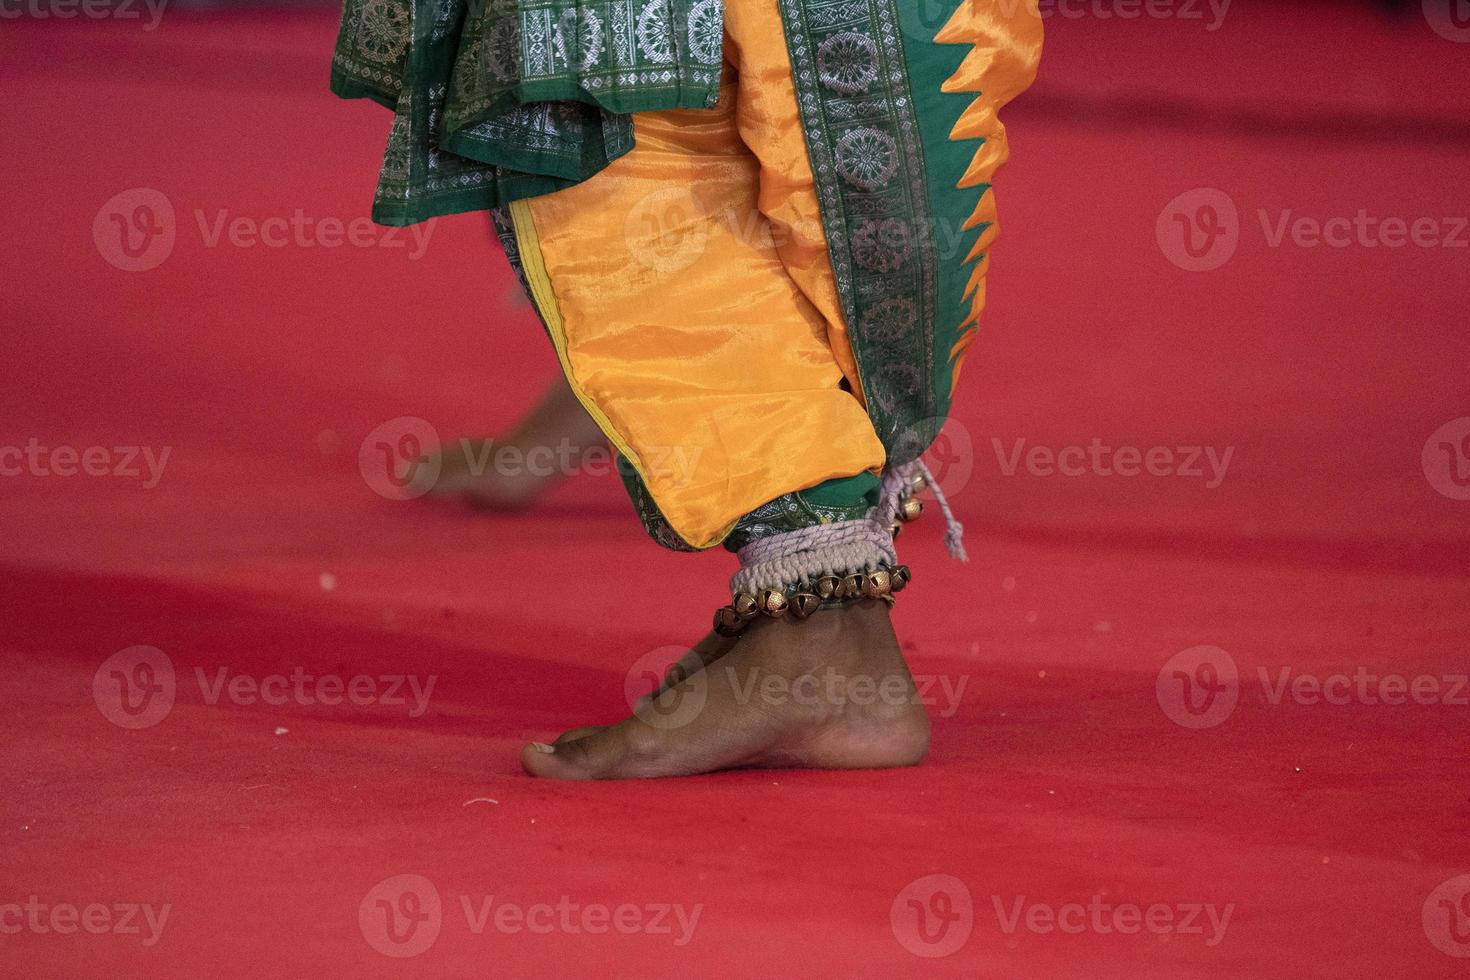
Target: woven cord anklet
x=829 y=565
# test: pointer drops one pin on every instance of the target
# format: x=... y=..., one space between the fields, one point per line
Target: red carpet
x=1083 y=832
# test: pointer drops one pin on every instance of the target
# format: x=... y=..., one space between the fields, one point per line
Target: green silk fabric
x=497 y=100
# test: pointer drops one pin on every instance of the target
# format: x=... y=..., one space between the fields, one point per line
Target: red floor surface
x=1083 y=831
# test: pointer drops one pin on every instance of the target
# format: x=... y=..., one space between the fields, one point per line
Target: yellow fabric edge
x=542 y=294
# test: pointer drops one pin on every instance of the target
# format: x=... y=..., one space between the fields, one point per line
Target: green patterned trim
x=624 y=55
x=509 y=99
x=654 y=522
x=843 y=499
x=868 y=160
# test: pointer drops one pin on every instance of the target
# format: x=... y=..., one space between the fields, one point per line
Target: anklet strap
x=805 y=598
x=783 y=561
x=823 y=565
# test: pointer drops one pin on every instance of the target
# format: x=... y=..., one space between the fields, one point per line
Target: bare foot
x=701 y=655
x=832 y=692
x=556 y=431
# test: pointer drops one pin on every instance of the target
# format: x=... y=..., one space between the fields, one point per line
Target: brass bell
x=918 y=483
x=899 y=577
x=773 y=603
x=745 y=606
x=829 y=587
x=895 y=528
x=803 y=604
x=911 y=508
x=728 y=622
x=852 y=586
x=877 y=584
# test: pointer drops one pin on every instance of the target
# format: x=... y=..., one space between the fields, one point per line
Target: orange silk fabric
x=696 y=300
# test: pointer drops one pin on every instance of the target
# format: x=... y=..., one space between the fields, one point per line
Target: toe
x=541 y=760
x=628 y=750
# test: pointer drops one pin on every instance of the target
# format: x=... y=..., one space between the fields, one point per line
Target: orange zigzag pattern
x=1005 y=36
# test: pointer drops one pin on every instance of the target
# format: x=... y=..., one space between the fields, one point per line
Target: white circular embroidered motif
x=382 y=33
x=655 y=34
x=891 y=321
x=848 y=62
x=867 y=158
x=881 y=245
x=707 y=32
x=578 y=38
x=501 y=53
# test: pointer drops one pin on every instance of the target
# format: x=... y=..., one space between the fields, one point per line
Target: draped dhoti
x=757 y=235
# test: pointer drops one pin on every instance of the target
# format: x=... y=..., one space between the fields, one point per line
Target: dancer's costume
x=757 y=232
